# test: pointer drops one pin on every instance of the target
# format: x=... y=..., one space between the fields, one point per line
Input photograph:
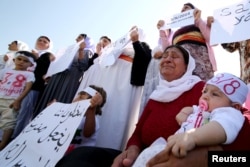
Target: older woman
x=176 y=86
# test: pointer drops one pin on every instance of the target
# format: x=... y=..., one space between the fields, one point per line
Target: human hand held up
x=134 y=35
x=127 y=157
x=96 y=100
x=98 y=48
x=160 y=24
x=197 y=14
x=158 y=55
x=210 y=20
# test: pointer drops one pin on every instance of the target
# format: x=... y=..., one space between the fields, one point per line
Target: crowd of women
x=149 y=85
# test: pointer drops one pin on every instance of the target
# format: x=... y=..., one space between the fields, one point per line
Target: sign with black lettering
x=44 y=140
x=179 y=20
x=231 y=23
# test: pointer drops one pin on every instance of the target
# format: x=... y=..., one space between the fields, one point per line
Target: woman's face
x=79 y=38
x=172 y=64
x=104 y=42
x=13 y=46
x=42 y=43
x=185 y=8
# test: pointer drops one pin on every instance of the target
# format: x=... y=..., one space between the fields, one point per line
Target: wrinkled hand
x=160 y=159
x=15 y=105
x=160 y=23
x=195 y=158
x=126 y=158
x=180 y=144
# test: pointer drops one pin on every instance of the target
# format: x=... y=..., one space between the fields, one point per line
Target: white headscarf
x=49 y=49
x=22 y=46
x=169 y=91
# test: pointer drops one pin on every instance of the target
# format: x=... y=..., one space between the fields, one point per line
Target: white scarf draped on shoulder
x=169 y=91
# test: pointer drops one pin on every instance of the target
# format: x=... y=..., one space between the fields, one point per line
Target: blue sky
x=63 y=20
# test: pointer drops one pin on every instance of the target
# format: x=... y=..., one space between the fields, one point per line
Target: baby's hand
x=181 y=143
x=183 y=114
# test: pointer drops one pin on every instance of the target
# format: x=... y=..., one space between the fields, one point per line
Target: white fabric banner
x=111 y=52
x=231 y=23
x=44 y=140
x=63 y=59
x=179 y=20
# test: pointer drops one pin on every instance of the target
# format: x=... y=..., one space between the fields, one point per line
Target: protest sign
x=179 y=20
x=231 y=23
x=44 y=140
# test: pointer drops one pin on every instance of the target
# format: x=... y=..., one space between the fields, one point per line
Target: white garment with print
x=13 y=82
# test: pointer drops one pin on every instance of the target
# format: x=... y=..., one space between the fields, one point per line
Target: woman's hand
x=197 y=14
x=134 y=35
x=127 y=157
x=160 y=24
x=210 y=20
x=99 y=48
x=194 y=158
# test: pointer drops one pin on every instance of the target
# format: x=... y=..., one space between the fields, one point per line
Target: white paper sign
x=179 y=20
x=111 y=52
x=63 y=60
x=231 y=23
x=44 y=140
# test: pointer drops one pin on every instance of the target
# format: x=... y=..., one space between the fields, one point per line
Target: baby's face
x=214 y=97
